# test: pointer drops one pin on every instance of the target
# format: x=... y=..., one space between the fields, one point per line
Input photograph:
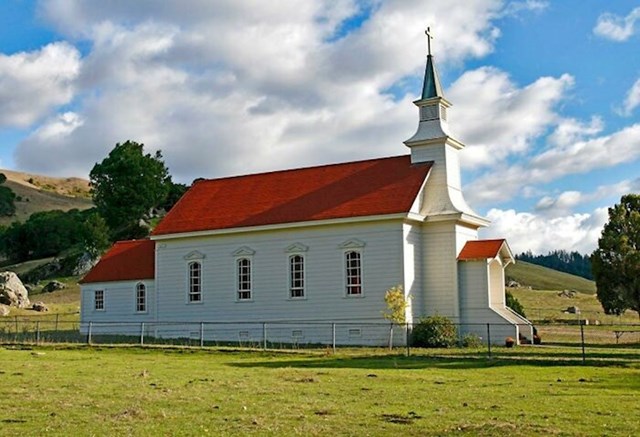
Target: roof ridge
x=289 y=170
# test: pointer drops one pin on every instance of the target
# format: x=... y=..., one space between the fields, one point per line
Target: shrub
x=434 y=331
x=513 y=303
x=471 y=340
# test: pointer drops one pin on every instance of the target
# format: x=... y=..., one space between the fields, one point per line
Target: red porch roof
x=482 y=249
x=126 y=260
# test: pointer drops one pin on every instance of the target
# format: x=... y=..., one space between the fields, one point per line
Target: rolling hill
x=543 y=278
x=43 y=193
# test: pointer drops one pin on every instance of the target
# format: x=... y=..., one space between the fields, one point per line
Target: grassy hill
x=44 y=193
x=543 y=278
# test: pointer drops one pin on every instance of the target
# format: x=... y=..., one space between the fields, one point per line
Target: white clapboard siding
x=439 y=267
x=119 y=305
x=476 y=289
x=412 y=241
x=325 y=297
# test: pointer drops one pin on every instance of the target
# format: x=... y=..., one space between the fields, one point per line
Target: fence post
x=38 y=332
x=333 y=337
x=141 y=333
x=584 y=358
x=407 y=339
x=489 y=338
x=16 y=320
x=57 y=316
x=201 y=334
x=89 y=333
x=264 y=335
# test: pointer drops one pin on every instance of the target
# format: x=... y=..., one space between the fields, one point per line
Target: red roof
x=481 y=249
x=353 y=189
x=126 y=260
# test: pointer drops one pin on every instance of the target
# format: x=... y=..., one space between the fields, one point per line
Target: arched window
x=244 y=278
x=296 y=276
x=141 y=298
x=195 y=282
x=353 y=271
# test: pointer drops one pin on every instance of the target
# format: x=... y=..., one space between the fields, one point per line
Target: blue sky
x=546 y=94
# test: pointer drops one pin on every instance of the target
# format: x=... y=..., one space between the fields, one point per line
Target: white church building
x=304 y=249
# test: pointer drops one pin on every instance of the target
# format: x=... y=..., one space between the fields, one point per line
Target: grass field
x=542 y=278
x=131 y=391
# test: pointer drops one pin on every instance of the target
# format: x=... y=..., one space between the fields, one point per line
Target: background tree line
x=561 y=260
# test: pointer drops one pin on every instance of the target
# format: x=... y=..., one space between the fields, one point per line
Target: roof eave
x=278 y=226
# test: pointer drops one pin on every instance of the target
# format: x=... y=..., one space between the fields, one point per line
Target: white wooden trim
x=104 y=300
x=244 y=252
x=304 y=276
x=360 y=250
x=194 y=255
x=135 y=298
x=312 y=223
x=296 y=248
x=188 y=283
x=237 y=258
x=353 y=243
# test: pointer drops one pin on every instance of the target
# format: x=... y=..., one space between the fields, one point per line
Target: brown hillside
x=45 y=193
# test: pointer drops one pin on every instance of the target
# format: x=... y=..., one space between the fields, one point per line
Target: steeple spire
x=431 y=86
x=433 y=143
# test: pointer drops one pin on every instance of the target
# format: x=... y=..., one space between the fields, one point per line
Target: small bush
x=513 y=303
x=434 y=331
x=471 y=340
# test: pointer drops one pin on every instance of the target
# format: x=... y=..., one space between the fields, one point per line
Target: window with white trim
x=141 y=298
x=353 y=271
x=195 y=282
x=244 y=278
x=98 y=300
x=296 y=276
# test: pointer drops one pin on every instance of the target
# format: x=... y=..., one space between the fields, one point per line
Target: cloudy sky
x=546 y=94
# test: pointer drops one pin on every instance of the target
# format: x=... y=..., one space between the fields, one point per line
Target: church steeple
x=433 y=143
x=432 y=104
x=431 y=86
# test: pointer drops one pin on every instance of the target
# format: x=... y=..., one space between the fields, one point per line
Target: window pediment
x=296 y=247
x=353 y=243
x=244 y=251
x=194 y=255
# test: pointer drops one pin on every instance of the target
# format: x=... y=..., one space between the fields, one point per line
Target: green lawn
x=133 y=391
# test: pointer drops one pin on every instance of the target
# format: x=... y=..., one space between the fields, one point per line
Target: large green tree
x=7 y=198
x=616 y=261
x=127 y=184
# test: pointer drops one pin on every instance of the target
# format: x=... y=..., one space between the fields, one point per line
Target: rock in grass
x=4 y=310
x=40 y=307
x=12 y=291
x=53 y=286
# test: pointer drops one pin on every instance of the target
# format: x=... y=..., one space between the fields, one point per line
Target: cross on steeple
x=429 y=38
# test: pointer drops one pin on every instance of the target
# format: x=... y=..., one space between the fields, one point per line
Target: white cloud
x=632 y=100
x=504 y=182
x=567 y=200
x=570 y=130
x=34 y=83
x=496 y=118
x=231 y=87
x=616 y=27
x=526 y=231
x=514 y=8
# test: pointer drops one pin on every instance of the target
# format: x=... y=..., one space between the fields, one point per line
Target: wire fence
x=585 y=339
